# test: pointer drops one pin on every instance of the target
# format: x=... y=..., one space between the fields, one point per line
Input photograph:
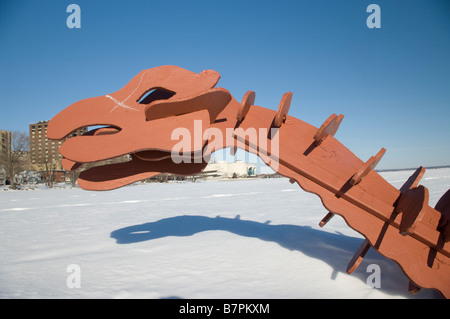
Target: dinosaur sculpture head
x=138 y=120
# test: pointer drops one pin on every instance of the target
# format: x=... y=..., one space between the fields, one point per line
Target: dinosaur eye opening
x=154 y=94
x=101 y=130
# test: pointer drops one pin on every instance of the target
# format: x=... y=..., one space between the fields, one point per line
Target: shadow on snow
x=332 y=248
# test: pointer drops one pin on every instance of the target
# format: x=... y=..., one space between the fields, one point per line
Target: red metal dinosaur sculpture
x=169 y=120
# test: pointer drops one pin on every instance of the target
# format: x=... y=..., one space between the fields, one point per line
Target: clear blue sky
x=392 y=84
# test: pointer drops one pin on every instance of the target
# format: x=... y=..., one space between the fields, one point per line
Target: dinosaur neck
x=328 y=169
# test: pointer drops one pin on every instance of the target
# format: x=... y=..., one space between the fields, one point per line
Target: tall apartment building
x=5 y=142
x=43 y=150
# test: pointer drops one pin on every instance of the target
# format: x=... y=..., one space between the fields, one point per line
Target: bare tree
x=16 y=159
x=49 y=172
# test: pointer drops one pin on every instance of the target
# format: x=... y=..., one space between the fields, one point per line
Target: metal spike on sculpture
x=169 y=120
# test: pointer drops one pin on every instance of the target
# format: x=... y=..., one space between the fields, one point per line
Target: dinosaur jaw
x=107 y=162
x=116 y=175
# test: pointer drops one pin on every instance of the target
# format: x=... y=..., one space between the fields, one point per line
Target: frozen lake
x=210 y=239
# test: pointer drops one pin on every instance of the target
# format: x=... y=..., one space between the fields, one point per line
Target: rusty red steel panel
x=170 y=120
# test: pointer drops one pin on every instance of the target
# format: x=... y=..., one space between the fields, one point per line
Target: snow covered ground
x=210 y=239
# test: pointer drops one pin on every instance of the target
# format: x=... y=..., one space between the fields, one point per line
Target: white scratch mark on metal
x=121 y=104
